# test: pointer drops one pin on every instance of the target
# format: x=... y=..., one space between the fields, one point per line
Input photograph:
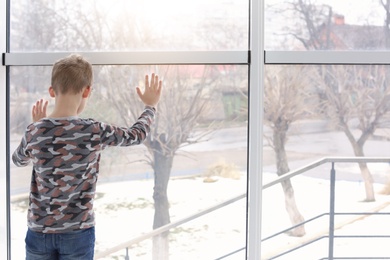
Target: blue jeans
x=76 y=245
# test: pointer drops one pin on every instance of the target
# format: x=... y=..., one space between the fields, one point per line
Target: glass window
x=198 y=143
x=128 y=25
x=312 y=112
x=326 y=25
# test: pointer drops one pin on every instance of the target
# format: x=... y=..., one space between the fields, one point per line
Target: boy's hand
x=39 y=110
x=152 y=91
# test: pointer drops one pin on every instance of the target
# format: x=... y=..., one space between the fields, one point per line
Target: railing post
x=127 y=254
x=331 y=211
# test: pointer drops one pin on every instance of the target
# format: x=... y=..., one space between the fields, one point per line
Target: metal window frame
x=255 y=130
x=4 y=158
x=192 y=58
x=241 y=57
x=255 y=57
x=327 y=57
x=133 y=58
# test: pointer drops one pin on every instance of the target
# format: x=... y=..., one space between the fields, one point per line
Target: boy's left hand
x=39 y=110
x=152 y=92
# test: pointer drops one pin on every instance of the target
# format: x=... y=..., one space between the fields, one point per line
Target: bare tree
x=183 y=105
x=185 y=101
x=356 y=97
x=286 y=100
x=316 y=20
x=342 y=83
x=307 y=27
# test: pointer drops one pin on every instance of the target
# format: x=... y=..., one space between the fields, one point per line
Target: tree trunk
x=292 y=210
x=368 y=182
x=358 y=151
x=162 y=170
x=366 y=174
x=289 y=197
x=161 y=247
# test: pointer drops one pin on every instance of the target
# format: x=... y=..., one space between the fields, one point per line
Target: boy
x=65 y=152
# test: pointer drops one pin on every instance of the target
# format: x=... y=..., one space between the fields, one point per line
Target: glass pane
x=326 y=25
x=99 y=25
x=198 y=143
x=315 y=112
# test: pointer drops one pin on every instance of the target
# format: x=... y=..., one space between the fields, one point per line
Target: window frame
x=255 y=57
x=252 y=57
x=133 y=58
x=327 y=57
x=4 y=136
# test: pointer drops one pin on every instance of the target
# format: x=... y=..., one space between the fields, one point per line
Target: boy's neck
x=66 y=106
x=61 y=114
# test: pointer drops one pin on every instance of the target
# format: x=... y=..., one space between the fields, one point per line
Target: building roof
x=341 y=36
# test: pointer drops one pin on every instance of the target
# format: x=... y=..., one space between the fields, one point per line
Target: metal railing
x=126 y=245
x=165 y=228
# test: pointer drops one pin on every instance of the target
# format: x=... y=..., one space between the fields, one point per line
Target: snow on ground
x=124 y=210
x=187 y=196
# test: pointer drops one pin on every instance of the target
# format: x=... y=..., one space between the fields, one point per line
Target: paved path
x=230 y=146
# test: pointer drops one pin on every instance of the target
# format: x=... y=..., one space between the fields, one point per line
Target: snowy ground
x=125 y=210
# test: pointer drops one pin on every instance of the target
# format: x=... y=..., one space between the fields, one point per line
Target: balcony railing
x=329 y=234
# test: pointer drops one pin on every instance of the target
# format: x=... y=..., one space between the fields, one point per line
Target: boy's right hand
x=39 y=110
x=152 y=92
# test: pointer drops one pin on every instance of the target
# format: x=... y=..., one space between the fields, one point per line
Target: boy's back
x=65 y=151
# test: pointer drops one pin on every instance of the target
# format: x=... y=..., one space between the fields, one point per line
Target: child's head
x=71 y=75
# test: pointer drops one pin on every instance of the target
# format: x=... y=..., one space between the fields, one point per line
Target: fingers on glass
x=146 y=81
x=152 y=80
x=154 y=83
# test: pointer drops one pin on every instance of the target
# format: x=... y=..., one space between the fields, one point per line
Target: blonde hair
x=71 y=74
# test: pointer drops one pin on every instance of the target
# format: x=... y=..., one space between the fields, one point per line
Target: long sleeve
x=21 y=156
x=122 y=136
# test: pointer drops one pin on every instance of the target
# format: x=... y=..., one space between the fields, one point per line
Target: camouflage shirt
x=65 y=153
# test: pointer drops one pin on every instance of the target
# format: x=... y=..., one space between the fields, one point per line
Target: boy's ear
x=51 y=92
x=87 y=91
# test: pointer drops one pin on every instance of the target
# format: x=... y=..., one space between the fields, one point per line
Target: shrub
x=222 y=169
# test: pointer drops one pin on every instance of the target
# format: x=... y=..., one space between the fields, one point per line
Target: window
x=202 y=56
x=128 y=25
x=203 y=119
x=313 y=112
